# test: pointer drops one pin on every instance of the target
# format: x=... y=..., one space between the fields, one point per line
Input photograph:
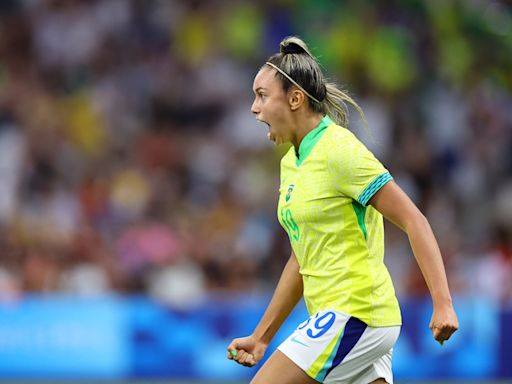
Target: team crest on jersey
x=289 y=193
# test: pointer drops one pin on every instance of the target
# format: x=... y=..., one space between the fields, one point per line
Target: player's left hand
x=444 y=323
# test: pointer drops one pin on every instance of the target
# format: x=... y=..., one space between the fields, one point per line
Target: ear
x=296 y=98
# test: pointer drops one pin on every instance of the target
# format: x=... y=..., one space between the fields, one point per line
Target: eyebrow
x=259 y=89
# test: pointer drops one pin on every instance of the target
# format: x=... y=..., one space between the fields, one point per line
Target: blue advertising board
x=64 y=337
x=109 y=337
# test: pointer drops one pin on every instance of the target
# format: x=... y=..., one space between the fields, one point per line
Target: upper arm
x=394 y=204
x=294 y=260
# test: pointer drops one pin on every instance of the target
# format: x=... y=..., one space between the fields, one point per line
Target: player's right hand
x=246 y=351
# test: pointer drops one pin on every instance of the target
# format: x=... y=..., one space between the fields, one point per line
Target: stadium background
x=138 y=194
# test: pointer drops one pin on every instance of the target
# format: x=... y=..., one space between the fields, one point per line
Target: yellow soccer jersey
x=338 y=239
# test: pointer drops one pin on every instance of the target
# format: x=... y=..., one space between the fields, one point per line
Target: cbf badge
x=288 y=194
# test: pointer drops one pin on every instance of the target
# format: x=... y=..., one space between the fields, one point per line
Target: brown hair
x=296 y=63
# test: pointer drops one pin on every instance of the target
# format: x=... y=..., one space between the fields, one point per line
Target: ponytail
x=335 y=105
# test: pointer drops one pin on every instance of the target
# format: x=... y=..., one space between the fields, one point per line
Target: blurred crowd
x=130 y=162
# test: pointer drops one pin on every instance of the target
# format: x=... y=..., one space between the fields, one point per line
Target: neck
x=304 y=125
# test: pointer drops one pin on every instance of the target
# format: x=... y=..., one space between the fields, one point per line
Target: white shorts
x=333 y=347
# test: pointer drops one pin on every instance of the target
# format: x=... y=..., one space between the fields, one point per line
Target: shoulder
x=342 y=144
x=340 y=136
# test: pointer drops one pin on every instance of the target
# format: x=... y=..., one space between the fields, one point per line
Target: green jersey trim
x=360 y=211
x=309 y=141
x=374 y=186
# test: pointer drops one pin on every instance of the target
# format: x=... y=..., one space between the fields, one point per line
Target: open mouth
x=270 y=135
x=264 y=122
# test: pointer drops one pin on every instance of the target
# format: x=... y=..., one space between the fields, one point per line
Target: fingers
x=245 y=358
x=232 y=350
x=236 y=353
x=246 y=351
x=231 y=353
x=242 y=357
x=443 y=333
x=444 y=323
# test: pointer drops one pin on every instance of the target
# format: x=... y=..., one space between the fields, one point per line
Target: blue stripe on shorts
x=353 y=331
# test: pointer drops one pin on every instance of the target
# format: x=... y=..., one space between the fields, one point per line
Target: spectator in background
x=93 y=91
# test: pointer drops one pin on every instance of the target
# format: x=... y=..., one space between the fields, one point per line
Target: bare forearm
x=286 y=296
x=396 y=206
x=428 y=256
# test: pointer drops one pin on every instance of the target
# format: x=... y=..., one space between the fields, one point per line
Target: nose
x=254 y=108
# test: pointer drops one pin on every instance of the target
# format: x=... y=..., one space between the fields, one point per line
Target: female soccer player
x=333 y=195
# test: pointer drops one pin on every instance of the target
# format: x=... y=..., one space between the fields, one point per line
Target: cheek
x=277 y=111
x=281 y=119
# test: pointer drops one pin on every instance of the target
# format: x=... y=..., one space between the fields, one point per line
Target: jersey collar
x=309 y=141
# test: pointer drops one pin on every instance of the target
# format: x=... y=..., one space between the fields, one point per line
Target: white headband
x=291 y=80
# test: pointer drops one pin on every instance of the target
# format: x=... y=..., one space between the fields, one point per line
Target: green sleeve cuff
x=374 y=186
